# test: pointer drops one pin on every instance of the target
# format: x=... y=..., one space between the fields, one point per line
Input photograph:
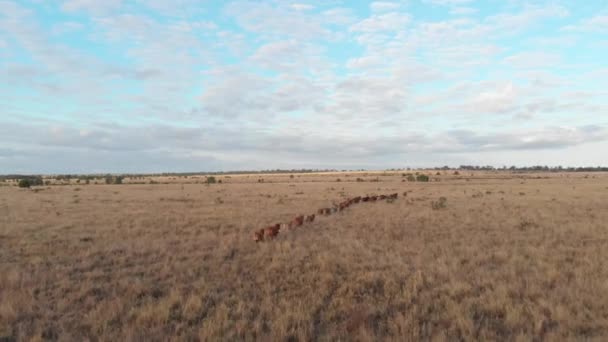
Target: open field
x=509 y=257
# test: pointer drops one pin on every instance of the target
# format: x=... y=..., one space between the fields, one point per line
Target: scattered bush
x=24 y=183
x=411 y=178
x=439 y=204
x=211 y=180
x=30 y=181
x=118 y=180
x=422 y=178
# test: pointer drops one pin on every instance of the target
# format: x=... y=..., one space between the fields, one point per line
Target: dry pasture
x=504 y=257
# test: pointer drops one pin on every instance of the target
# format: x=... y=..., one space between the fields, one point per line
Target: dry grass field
x=519 y=257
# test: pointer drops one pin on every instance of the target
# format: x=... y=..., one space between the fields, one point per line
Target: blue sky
x=184 y=85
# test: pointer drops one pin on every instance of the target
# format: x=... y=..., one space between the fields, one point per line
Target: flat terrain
x=508 y=257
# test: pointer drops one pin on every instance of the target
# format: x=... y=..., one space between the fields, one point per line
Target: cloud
x=463 y=10
x=547 y=138
x=448 y=2
x=597 y=24
x=302 y=7
x=92 y=6
x=277 y=21
x=391 y=21
x=533 y=60
x=502 y=99
x=384 y=6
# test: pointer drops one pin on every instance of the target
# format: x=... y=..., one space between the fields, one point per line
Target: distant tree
x=211 y=180
x=24 y=183
x=118 y=179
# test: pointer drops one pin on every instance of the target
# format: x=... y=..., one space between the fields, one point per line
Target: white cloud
x=463 y=11
x=392 y=21
x=501 y=99
x=302 y=7
x=448 y=2
x=598 y=23
x=93 y=6
x=533 y=60
x=384 y=6
x=277 y=21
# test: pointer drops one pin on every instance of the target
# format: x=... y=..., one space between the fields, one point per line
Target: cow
x=297 y=221
x=321 y=211
x=373 y=198
x=394 y=196
x=365 y=199
x=382 y=197
x=309 y=218
x=357 y=199
x=271 y=232
x=258 y=235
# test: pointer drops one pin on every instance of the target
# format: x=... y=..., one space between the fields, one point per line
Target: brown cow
x=365 y=199
x=272 y=231
x=373 y=198
x=357 y=199
x=394 y=196
x=382 y=197
x=321 y=211
x=258 y=235
x=309 y=218
x=297 y=221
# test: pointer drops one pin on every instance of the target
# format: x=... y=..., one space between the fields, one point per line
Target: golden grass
x=508 y=257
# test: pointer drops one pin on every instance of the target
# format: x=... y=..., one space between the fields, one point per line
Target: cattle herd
x=270 y=232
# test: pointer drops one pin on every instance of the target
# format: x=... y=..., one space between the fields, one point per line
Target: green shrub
x=24 y=183
x=211 y=180
x=422 y=178
x=411 y=178
x=439 y=204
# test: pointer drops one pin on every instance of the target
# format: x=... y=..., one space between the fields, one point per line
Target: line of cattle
x=272 y=231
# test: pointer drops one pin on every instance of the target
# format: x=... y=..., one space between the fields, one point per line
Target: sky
x=89 y=86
